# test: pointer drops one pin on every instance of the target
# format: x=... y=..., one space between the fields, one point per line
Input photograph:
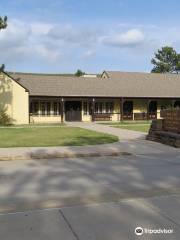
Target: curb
x=63 y=155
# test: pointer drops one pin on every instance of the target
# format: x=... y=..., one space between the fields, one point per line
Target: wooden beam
x=121 y=110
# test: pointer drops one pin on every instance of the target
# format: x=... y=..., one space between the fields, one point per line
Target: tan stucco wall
x=166 y=103
x=45 y=119
x=116 y=115
x=86 y=118
x=14 y=99
x=139 y=105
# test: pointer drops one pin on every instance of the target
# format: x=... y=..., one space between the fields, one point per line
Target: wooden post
x=62 y=110
x=93 y=106
x=148 y=101
x=121 y=110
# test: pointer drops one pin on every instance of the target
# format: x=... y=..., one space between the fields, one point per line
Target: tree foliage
x=3 y=22
x=79 y=73
x=5 y=119
x=166 y=60
x=3 y=25
x=2 y=67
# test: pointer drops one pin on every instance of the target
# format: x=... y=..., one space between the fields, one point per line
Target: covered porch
x=60 y=109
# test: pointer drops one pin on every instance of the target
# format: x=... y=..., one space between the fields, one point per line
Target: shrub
x=4 y=118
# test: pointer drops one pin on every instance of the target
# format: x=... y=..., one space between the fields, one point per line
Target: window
x=90 y=108
x=85 y=108
x=43 y=108
x=109 y=107
x=98 y=107
x=56 y=108
x=48 y=107
x=34 y=108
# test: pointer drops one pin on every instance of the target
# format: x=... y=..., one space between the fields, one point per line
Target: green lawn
x=141 y=126
x=127 y=123
x=51 y=136
x=135 y=127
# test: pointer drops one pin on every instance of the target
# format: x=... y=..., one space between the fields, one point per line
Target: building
x=114 y=96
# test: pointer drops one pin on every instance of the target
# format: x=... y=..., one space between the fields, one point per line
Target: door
x=73 y=111
x=153 y=110
x=128 y=110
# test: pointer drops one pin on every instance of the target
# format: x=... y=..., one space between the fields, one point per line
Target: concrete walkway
x=131 y=143
x=122 y=134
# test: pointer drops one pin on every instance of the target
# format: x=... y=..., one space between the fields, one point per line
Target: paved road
x=90 y=198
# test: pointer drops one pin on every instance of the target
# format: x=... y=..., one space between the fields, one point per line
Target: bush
x=4 y=118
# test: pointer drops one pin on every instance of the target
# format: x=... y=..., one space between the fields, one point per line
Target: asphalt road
x=91 y=198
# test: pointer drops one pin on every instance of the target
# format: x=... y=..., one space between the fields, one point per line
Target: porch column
x=121 y=110
x=148 y=101
x=39 y=106
x=93 y=107
x=62 y=110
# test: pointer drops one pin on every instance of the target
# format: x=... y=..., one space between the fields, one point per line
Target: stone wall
x=167 y=129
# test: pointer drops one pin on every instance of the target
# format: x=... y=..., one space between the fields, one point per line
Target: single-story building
x=115 y=96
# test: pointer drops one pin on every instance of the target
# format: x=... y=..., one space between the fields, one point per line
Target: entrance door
x=128 y=110
x=153 y=110
x=73 y=111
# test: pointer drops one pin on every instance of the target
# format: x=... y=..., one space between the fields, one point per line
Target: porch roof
x=117 y=84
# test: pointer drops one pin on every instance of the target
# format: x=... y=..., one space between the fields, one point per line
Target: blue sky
x=63 y=35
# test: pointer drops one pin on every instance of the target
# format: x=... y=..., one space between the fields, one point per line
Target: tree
x=3 y=22
x=3 y=25
x=166 y=60
x=79 y=73
x=2 y=67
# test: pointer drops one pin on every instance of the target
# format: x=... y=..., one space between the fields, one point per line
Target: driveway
x=93 y=198
x=90 y=198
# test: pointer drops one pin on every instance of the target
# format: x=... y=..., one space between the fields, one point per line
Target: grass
x=33 y=125
x=135 y=127
x=148 y=122
x=52 y=136
x=141 y=126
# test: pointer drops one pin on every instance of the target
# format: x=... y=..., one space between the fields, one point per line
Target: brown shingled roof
x=119 y=84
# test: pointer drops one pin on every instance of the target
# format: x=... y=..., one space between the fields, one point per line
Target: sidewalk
x=122 y=134
x=106 y=221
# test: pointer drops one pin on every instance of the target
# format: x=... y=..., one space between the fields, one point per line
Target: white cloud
x=89 y=54
x=40 y=28
x=43 y=43
x=129 y=38
x=73 y=35
x=26 y=41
